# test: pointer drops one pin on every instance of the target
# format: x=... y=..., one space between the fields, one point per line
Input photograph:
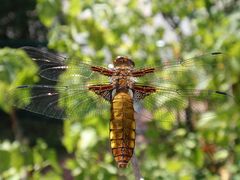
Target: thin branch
x=136 y=169
x=15 y=126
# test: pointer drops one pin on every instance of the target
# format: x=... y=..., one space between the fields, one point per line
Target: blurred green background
x=36 y=147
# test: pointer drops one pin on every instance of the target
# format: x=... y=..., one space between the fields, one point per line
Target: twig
x=136 y=169
x=15 y=126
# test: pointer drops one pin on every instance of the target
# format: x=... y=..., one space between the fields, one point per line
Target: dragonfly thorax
x=122 y=79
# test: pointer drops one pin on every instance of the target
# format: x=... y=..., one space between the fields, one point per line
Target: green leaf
x=15 y=69
x=48 y=11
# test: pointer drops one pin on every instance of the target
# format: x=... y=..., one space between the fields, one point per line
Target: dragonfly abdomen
x=122 y=128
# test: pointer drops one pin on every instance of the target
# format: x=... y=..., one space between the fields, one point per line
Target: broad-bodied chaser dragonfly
x=163 y=90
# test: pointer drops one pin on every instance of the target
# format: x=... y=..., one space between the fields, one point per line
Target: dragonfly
x=81 y=88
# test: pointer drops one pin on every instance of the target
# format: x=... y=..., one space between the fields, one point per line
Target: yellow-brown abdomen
x=122 y=128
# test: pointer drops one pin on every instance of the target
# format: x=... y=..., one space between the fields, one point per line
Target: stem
x=136 y=169
x=15 y=126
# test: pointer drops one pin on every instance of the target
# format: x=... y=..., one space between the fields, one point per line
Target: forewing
x=53 y=65
x=44 y=58
x=187 y=72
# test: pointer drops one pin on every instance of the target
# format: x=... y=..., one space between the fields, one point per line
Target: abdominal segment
x=122 y=128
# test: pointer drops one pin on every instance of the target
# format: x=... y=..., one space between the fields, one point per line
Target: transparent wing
x=172 y=73
x=175 y=81
x=59 y=102
x=45 y=59
x=71 y=95
x=169 y=105
x=53 y=65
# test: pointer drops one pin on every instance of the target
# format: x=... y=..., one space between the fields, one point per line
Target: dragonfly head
x=121 y=61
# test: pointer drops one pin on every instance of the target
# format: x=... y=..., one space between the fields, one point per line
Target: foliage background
x=35 y=147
